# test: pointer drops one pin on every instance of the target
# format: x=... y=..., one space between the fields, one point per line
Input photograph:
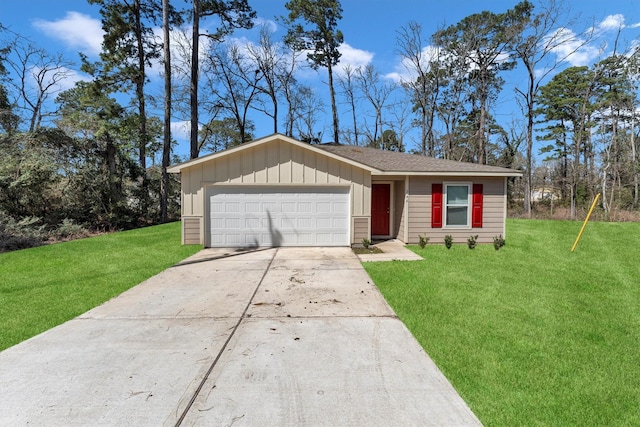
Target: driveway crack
x=224 y=346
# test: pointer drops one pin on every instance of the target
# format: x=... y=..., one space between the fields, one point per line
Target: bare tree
x=238 y=81
x=401 y=123
x=377 y=92
x=307 y=108
x=450 y=103
x=421 y=88
x=347 y=84
x=536 y=48
x=231 y=14
x=290 y=91
x=39 y=77
x=276 y=64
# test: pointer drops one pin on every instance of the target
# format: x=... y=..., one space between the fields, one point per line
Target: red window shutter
x=476 y=208
x=436 y=206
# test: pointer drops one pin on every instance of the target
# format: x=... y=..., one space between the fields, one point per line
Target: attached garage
x=277 y=191
x=246 y=216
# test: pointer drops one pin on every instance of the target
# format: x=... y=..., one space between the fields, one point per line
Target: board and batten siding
x=419 y=210
x=276 y=162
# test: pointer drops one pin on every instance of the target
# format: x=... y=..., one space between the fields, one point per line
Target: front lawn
x=46 y=286
x=530 y=334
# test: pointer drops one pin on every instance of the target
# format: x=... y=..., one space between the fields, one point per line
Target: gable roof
x=265 y=140
x=378 y=162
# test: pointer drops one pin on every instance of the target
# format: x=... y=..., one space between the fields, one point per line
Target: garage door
x=278 y=216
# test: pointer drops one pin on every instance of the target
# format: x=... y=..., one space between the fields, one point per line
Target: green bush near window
x=498 y=242
x=448 y=241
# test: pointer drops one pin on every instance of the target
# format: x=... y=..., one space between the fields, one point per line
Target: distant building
x=539 y=194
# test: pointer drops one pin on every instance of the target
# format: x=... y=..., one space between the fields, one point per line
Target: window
x=462 y=206
x=456 y=211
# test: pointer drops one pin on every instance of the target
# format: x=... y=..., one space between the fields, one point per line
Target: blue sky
x=369 y=28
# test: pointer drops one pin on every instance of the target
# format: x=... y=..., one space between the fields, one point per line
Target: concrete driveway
x=283 y=337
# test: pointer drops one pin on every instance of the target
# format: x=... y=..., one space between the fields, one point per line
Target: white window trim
x=446 y=204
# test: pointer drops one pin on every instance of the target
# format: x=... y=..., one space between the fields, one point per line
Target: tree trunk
x=193 y=92
x=423 y=130
x=355 y=121
x=481 y=132
x=275 y=113
x=334 y=107
x=166 y=147
x=142 y=146
x=529 y=158
x=110 y=153
x=634 y=164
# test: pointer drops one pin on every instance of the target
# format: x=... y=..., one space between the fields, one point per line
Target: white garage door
x=278 y=216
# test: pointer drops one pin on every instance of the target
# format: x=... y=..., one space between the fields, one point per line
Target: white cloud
x=181 y=130
x=77 y=30
x=612 y=23
x=572 y=48
x=269 y=23
x=406 y=70
x=636 y=25
x=353 y=57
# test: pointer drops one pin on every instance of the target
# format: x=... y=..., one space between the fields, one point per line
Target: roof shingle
x=390 y=161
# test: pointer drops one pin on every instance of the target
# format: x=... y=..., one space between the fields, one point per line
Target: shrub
x=472 y=241
x=366 y=243
x=69 y=230
x=498 y=242
x=23 y=234
x=448 y=241
x=422 y=241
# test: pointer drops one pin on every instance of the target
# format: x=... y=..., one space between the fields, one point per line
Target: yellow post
x=593 y=205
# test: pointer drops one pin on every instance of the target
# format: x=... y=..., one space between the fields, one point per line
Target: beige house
x=276 y=191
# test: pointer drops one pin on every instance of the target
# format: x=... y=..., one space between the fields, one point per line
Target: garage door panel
x=252 y=207
x=278 y=216
x=232 y=207
x=231 y=239
x=232 y=222
x=252 y=223
x=305 y=223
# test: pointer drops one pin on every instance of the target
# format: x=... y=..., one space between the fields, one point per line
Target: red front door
x=380 y=203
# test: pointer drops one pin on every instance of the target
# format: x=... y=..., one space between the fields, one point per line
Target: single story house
x=277 y=191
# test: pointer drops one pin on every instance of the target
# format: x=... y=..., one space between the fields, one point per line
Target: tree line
x=94 y=156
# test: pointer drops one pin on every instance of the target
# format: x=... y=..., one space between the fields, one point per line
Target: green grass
x=531 y=334
x=46 y=286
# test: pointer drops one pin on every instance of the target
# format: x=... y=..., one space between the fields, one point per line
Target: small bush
x=23 y=234
x=498 y=242
x=422 y=241
x=69 y=230
x=472 y=241
x=448 y=241
x=366 y=243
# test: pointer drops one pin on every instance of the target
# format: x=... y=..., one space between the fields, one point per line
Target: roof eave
x=451 y=173
x=178 y=168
